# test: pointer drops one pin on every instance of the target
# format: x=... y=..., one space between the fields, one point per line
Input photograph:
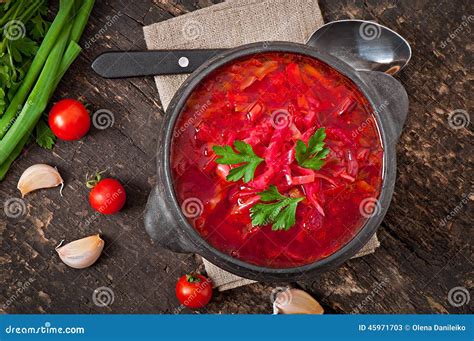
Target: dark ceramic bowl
x=169 y=228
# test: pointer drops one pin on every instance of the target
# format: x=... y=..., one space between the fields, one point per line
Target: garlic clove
x=295 y=301
x=81 y=253
x=39 y=176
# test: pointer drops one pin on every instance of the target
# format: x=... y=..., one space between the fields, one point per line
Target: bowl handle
x=162 y=226
x=392 y=101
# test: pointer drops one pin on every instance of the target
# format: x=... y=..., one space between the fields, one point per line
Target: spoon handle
x=150 y=63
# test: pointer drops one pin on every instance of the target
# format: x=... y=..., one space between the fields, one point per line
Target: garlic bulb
x=39 y=176
x=81 y=253
x=295 y=301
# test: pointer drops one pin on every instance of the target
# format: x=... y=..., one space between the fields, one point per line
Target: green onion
x=38 y=99
x=80 y=21
x=72 y=52
x=70 y=55
x=16 y=133
x=14 y=154
x=47 y=45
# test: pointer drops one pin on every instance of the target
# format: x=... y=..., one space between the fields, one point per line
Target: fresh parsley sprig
x=281 y=212
x=22 y=27
x=246 y=156
x=312 y=156
x=44 y=136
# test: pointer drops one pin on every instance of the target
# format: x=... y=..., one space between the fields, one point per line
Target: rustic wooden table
x=425 y=238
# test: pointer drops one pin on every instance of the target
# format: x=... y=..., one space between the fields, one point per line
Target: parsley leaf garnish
x=281 y=213
x=22 y=47
x=247 y=156
x=39 y=27
x=44 y=136
x=312 y=156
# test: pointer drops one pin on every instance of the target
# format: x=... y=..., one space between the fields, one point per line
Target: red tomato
x=108 y=196
x=69 y=120
x=194 y=291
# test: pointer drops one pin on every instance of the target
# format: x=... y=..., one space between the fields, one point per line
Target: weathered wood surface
x=420 y=259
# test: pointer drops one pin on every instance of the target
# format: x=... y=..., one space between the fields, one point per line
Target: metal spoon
x=364 y=45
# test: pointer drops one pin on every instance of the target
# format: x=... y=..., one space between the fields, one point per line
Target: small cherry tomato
x=107 y=195
x=69 y=120
x=194 y=291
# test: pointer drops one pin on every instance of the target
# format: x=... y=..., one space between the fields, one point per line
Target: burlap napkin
x=229 y=24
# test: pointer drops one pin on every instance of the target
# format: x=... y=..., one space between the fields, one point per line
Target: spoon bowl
x=365 y=45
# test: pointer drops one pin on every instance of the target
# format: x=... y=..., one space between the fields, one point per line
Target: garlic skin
x=39 y=176
x=81 y=253
x=295 y=301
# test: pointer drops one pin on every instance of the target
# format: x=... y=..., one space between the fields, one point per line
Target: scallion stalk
x=16 y=133
x=73 y=50
x=57 y=27
x=14 y=154
x=37 y=100
x=82 y=16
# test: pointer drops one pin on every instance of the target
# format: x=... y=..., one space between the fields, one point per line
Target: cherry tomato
x=69 y=120
x=194 y=291
x=107 y=196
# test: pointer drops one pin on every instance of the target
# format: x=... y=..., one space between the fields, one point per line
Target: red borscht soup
x=276 y=159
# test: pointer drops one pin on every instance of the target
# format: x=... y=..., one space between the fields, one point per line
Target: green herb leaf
x=39 y=27
x=312 y=155
x=22 y=47
x=16 y=54
x=44 y=136
x=286 y=218
x=246 y=156
x=280 y=213
x=271 y=194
